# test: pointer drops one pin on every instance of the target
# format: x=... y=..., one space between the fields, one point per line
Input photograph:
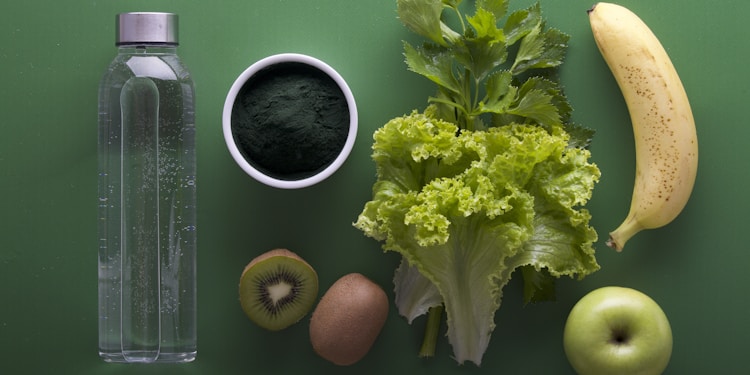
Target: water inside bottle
x=147 y=227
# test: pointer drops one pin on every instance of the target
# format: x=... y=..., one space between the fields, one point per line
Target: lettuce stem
x=431 y=332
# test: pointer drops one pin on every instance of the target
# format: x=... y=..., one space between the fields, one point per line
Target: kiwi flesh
x=277 y=289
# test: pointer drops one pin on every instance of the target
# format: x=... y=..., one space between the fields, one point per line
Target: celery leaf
x=433 y=62
x=423 y=18
x=497 y=7
x=541 y=49
x=522 y=22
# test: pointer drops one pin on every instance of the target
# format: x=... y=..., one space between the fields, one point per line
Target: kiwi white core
x=278 y=291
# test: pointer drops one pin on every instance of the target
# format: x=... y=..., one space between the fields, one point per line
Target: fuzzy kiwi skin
x=348 y=319
x=274 y=253
x=247 y=303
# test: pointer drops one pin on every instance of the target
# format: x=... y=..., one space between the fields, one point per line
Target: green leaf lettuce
x=467 y=208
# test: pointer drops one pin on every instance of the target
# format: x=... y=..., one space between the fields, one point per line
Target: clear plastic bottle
x=147 y=197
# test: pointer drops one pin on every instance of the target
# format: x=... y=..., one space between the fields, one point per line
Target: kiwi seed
x=348 y=319
x=277 y=289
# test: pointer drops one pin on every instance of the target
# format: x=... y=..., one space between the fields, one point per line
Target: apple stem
x=431 y=332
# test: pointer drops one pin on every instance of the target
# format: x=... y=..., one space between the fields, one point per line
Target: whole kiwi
x=277 y=289
x=348 y=319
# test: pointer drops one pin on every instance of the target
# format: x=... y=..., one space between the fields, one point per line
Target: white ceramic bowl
x=240 y=158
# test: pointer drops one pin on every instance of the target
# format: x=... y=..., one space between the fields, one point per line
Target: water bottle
x=147 y=197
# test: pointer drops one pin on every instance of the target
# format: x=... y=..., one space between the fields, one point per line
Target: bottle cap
x=146 y=28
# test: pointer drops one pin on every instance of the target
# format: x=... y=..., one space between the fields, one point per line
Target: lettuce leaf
x=467 y=208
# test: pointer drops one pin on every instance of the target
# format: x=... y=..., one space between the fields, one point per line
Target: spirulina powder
x=290 y=120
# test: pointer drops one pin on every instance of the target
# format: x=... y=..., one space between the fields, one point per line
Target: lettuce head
x=466 y=208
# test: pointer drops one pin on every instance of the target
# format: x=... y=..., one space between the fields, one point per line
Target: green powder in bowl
x=290 y=121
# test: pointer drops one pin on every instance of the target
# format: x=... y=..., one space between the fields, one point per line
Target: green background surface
x=52 y=55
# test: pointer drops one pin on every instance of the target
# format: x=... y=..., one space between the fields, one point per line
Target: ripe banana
x=666 y=144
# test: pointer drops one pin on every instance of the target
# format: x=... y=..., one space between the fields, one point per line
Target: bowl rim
x=232 y=96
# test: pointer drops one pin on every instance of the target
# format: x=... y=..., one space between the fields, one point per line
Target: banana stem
x=432 y=329
x=623 y=233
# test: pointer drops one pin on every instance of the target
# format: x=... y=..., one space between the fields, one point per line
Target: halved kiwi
x=277 y=289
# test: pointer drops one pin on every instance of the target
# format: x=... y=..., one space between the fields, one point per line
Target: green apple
x=615 y=330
